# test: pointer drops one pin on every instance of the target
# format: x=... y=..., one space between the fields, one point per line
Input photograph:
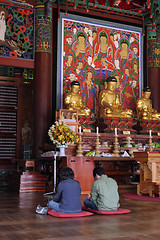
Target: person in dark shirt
x=67 y=199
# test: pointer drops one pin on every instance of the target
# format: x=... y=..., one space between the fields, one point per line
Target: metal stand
x=55 y=172
x=54 y=175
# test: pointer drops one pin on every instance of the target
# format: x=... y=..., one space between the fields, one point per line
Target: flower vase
x=61 y=150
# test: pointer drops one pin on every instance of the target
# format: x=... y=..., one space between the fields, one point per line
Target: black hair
x=146 y=89
x=66 y=173
x=99 y=171
x=75 y=83
x=111 y=79
x=81 y=35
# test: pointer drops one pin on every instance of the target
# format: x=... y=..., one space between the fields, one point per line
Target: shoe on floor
x=38 y=207
x=41 y=210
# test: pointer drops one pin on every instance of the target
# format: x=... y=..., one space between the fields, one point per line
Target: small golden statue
x=109 y=101
x=73 y=100
x=144 y=106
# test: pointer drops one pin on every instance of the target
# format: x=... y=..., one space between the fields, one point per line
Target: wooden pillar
x=154 y=84
x=154 y=67
x=43 y=76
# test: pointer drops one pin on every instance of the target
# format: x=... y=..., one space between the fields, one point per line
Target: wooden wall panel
x=16 y=108
x=83 y=169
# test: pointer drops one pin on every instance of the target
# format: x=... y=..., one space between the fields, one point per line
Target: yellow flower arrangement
x=61 y=134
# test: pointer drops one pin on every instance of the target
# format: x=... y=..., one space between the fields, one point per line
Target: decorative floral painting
x=92 y=52
x=16 y=32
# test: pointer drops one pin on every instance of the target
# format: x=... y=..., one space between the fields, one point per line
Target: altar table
x=149 y=173
x=116 y=167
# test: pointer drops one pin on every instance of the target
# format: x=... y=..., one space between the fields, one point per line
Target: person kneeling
x=104 y=194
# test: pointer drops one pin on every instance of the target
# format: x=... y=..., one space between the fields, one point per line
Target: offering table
x=149 y=173
x=117 y=167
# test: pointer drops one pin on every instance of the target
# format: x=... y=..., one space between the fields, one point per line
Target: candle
x=115 y=131
x=97 y=130
x=80 y=129
x=150 y=133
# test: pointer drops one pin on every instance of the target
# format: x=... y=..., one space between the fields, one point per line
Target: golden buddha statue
x=144 y=106
x=73 y=100
x=109 y=101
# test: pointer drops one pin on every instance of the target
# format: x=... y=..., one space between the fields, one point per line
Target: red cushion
x=119 y=211
x=133 y=195
x=64 y=215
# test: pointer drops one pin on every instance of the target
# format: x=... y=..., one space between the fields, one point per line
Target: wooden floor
x=18 y=220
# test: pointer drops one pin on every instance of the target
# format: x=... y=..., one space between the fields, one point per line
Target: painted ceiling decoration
x=24 y=3
x=148 y=10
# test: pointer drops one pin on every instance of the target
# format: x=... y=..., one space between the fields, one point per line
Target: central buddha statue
x=109 y=101
x=73 y=100
x=144 y=106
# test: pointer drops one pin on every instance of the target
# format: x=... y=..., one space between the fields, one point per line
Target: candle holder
x=80 y=146
x=150 y=144
x=116 y=150
x=97 y=150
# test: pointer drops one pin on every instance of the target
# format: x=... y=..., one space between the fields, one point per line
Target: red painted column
x=154 y=84
x=43 y=78
x=153 y=66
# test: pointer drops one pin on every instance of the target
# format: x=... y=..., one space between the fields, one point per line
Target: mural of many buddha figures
x=91 y=53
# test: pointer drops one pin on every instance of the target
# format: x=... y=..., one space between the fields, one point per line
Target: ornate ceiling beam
x=149 y=13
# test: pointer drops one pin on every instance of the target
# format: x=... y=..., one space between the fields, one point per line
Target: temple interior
x=79 y=88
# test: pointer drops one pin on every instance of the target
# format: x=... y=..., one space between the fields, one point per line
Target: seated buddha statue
x=144 y=106
x=73 y=100
x=109 y=101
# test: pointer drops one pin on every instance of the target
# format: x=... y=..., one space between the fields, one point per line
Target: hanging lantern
x=128 y=1
x=143 y=27
x=58 y=12
x=75 y=4
x=151 y=14
x=148 y=4
x=95 y=3
x=87 y=5
x=154 y=24
x=66 y=10
x=107 y=5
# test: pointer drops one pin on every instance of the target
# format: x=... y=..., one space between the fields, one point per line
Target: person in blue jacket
x=67 y=198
